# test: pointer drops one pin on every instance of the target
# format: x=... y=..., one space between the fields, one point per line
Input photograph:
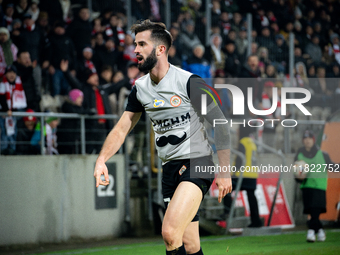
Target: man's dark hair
x=159 y=34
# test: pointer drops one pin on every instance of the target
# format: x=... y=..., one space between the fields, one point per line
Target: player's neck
x=159 y=71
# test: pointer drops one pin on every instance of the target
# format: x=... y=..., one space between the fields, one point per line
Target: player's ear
x=161 y=49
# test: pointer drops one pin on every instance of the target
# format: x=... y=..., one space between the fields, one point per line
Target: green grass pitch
x=287 y=243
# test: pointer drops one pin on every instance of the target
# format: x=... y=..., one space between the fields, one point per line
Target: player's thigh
x=182 y=207
x=191 y=238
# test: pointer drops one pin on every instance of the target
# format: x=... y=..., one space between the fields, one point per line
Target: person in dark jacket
x=69 y=129
x=80 y=30
x=232 y=63
x=60 y=48
x=280 y=57
x=25 y=71
x=53 y=8
x=95 y=100
x=26 y=128
x=109 y=55
x=31 y=38
x=20 y=9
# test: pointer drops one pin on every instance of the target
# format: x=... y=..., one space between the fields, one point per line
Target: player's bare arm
x=223 y=180
x=114 y=140
x=222 y=143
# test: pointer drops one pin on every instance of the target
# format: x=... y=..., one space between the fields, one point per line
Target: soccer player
x=181 y=142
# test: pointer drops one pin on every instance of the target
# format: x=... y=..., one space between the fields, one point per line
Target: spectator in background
x=86 y=63
x=266 y=40
x=8 y=17
x=106 y=75
x=225 y=24
x=109 y=55
x=129 y=49
x=231 y=36
x=8 y=51
x=334 y=71
x=60 y=48
x=12 y=98
x=56 y=9
x=318 y=31
x=307 y=37
x=237 y=22
x=280 y=57
x=97 y=26
x=311 y=71
x=289 y=27
x=69 y=129
x=301 y=75
x=26 y=128
x=196 y=64
x=120 y=89
x=100 y=43
x=16 y=25
x=336 y=46
x=232 y=63
x=241 y=44
x=263 y=55
x=298 y=34
x=25 y=71
x=174 y=31
x=80 y=30
x=230 y=6
x=298 y=57
x=115 y=31
x=260 y=20
x=32 y=40
x=313 y=49
x=141 y=9
x=254 y=48
x=215 y=12
x=188 y=40
x=95 y=100
x=251 y=70
x=270 y=73
x=34 y=10
x=215 y=55
x=274 y=28
x=105 y=17
x=21 y=9
x=173 y=59
x=320 y=85
x=43 y=24
x=50 y=136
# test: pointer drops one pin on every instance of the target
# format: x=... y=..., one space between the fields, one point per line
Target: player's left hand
x=224 y=187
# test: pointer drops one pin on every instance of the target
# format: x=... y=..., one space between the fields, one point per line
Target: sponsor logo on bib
x=158 y=103
x=175 y=101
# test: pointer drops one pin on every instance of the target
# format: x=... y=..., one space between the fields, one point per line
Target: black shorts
x=177 y=171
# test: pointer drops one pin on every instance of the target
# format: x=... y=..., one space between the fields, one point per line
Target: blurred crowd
x=61 y=56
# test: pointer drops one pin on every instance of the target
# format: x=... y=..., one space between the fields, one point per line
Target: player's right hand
x=99 y=170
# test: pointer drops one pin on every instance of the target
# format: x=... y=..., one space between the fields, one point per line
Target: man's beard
x=149 y=62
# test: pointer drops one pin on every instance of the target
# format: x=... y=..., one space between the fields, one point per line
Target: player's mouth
x=139 y=59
